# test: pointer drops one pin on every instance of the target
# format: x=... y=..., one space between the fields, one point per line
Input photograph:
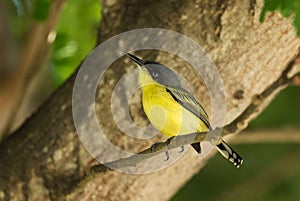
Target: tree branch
x=45 y=157
x=277 y=135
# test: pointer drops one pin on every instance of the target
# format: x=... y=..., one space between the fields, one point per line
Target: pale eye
x=154 y=74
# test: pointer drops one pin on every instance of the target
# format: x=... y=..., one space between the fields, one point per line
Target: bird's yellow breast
x=166 y=114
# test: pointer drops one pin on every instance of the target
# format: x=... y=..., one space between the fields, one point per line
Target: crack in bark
x=221 y=7
x=251 y=11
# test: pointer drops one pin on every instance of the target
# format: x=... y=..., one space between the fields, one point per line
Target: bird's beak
x=135 y=59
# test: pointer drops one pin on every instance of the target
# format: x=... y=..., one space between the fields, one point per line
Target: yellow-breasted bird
x=173 y=110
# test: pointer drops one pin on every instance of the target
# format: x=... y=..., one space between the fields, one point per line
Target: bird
x=173 y=110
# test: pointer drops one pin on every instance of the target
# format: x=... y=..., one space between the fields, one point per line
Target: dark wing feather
x=187 y=100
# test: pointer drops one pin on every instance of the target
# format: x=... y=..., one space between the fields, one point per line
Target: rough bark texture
x=44 y=159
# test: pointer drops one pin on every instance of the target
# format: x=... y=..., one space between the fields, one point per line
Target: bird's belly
x=167 y=115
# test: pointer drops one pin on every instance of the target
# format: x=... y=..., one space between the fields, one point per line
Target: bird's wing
x=187 y=100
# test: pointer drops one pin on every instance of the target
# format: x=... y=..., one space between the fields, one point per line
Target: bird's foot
x=181 y=149
x=167 y=151
x=154 y=146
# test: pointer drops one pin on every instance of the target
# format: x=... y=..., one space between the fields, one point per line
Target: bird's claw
x=167 y=155
x=181 y=149
x=154 y=146
x=167 y=152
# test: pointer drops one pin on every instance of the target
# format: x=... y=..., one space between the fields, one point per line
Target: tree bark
x=45 y=159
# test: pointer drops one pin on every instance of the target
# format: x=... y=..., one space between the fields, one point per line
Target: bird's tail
x=230 y=154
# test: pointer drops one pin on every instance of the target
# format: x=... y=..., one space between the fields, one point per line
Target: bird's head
x=154 y=72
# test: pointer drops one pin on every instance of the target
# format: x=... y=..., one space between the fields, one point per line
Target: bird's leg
x=167 y=155
x=168 y=144
x=167 y=152
x=181 y=149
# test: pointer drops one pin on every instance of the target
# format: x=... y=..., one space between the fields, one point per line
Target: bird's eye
x=155 y=74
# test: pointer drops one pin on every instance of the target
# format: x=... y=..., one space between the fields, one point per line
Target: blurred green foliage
x=76 y=32
x=76 y=37
x=284 y=111
x=41 y=9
